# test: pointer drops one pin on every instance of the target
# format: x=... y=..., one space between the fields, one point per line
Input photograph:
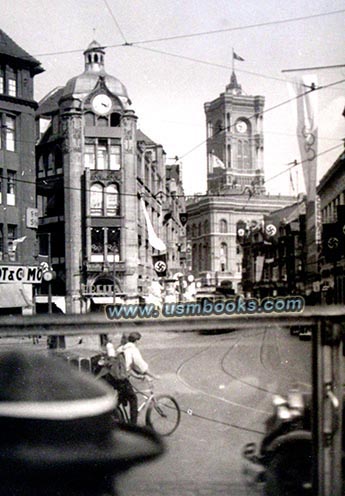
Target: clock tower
x=235 y=141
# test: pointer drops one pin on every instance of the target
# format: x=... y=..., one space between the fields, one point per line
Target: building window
x=11 y=188
x=223 y=226
x=10 y=133
x=102 y=154
x=111 y=200
x=89 y=119
x=243 y=154
x=11 y=236
x=223 y=257
x=101 y=162
x=2 y=81
x=96 y=199
x=97 y=244
x=115 y=120
x=105 y=241
x=104 y=201
x=12 y=86
x=1 y=241
x=113 y=245
x=115 y=157
x=1 y=182
x=90 y=161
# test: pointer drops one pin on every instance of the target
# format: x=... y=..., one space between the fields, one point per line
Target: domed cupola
x=81 y=86
x=94 y=57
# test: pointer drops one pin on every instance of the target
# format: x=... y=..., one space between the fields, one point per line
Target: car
x=305 y=334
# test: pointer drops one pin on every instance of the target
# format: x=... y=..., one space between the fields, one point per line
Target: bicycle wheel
x=163 y=415
x=118 y=415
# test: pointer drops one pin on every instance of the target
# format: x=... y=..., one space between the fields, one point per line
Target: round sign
x=240 y=232
x=48 y=275
x=270 y=230
x=333 y=243
x=160 y=267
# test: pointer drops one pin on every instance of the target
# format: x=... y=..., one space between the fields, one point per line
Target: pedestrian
x=57 y=436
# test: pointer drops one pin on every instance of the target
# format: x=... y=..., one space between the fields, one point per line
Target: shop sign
x=20 y=273
x=32 y=218
x=98 y=289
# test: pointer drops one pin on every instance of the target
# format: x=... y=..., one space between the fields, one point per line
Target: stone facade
x=97 y=175
x=236 y=192
x=18 y=214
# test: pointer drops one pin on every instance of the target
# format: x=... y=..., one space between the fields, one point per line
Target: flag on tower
x=237 y=57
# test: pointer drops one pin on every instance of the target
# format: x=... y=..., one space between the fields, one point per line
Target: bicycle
x=163 y=414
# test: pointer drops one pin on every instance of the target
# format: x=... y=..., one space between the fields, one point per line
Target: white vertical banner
x=307 y=130
x=154 y=240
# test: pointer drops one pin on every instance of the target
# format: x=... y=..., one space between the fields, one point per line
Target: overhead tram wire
x=205 y=62
x=115 y=22
x=204 y=33
x=292 y=164
x=238 y=28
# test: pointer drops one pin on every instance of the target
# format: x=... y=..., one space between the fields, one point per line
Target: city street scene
x=172 y=248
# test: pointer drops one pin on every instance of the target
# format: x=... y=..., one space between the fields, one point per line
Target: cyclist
x=134 y=363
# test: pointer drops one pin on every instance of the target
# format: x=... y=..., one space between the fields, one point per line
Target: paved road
x=224 y=384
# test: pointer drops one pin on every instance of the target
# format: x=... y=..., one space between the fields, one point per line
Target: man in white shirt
x=135 y=363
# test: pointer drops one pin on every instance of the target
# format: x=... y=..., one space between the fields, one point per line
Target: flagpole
x=50 y=303
x=233 y=60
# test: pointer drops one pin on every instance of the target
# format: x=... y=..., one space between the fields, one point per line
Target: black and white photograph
x=172 y=248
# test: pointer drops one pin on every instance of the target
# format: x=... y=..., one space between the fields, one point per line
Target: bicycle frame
x=147 y=398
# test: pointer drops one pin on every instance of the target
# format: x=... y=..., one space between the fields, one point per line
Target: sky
x=169 y=80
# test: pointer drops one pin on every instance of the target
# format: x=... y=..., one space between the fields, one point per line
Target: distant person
x=57 y=434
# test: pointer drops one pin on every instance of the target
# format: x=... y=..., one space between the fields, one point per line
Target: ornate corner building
x=98 y=175
x=235 y=181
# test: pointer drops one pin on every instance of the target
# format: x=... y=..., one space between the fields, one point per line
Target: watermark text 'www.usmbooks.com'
x=232 y=306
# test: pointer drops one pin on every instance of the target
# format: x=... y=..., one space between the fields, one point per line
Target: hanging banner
x=160 y=265
x=307 y=132
x=154 y=240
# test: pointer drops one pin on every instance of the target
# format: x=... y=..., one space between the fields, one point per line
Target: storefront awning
x=15 y=295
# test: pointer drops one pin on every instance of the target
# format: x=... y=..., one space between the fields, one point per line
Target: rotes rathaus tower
x=235 y=141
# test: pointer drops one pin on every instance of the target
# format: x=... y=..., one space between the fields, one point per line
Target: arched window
x=223 y=258
x=194 y=258
x=115 y=119
x=194 y=231
x=111 y=199
x=206 y=227
x=223 y=226
x=89 y=119
x=243 y=154
x=199 y=229
x=219 y=127
x=201 y=265
x=102 y=122
x=246 y=155
x=240 y=154
x=96 y=199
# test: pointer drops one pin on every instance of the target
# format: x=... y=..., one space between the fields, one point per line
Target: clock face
x=241 y=126
x=101 y=104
